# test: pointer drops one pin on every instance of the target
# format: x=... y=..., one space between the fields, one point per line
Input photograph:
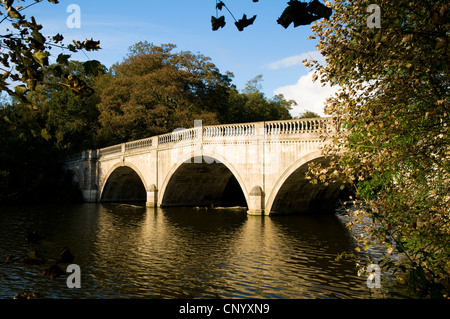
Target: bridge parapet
x=110 y=150
x=299 y=126
x=178 y=136
x=247 y=129
x=306 y=127
x=144 y=143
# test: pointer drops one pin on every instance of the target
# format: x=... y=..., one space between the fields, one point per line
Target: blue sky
x=264 y=48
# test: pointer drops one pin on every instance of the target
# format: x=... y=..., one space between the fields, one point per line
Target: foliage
x=156 y=90
x=29 y=165
x=69 y=121
x=394 y=143
x=308 y=115
x=297 y=12
x=252 y=106
x=302 y=13
x=26 y=51
x=153 y=91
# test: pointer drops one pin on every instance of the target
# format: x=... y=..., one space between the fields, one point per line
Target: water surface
x=131 y=251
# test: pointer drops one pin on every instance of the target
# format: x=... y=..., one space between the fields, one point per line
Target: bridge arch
x=293 y=193
x=123 y=183
x=190 y=183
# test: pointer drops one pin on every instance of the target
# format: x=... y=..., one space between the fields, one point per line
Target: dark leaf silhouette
x=301 y=13
x=319 y=9
x=220 y=5
x=217 y=23
x=93 y=67
x=244 y=22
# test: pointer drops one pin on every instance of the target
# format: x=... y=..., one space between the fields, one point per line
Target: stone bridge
x=259 y=165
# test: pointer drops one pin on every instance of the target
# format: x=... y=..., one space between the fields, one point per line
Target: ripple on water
x=132 y=252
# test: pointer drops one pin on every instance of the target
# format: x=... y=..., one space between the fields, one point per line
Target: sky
x=264 y=48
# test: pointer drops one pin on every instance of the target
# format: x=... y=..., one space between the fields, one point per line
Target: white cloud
x=295 y=60
x=309 y=95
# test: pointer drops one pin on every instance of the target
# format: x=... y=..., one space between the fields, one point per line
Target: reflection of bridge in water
x=259 y=165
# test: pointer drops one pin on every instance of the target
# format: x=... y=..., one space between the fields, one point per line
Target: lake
x=132 y=251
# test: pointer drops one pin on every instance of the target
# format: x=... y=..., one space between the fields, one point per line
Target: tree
x=394 y=145
x=29 y=165
x=69 y=121
x=252 y=106
x=155 y=90
x=26 y=51
x=308 y=115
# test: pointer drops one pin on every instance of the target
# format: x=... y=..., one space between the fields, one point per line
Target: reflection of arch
x=214 y=171
x=126 y=177
x=293 y=193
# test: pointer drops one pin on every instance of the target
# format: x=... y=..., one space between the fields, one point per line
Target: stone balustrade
x=144 y=143
x=229 y=130
x=178 y=136
x=286 y=127
x=110 y=150
x=298 y=126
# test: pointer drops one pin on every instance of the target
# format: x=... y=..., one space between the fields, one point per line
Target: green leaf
x=38 y=36
x=41 y=57
x=13 y=13
x=56 y=70
x=21 y=89
x=46 y=135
